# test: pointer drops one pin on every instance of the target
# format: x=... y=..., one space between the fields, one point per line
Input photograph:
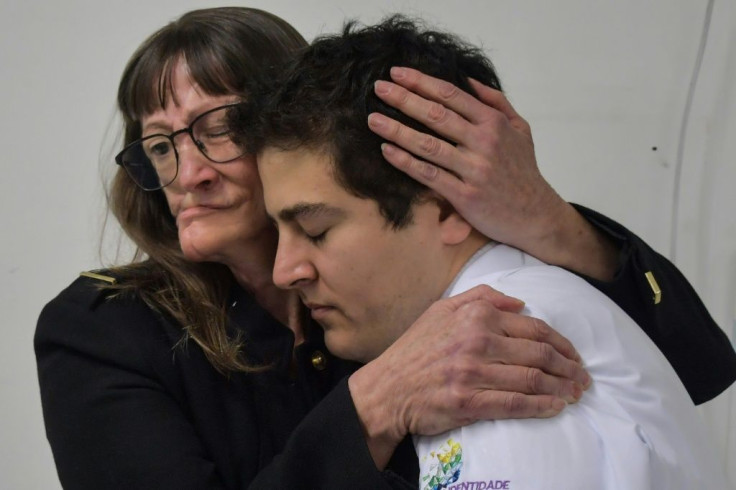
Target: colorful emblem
x=445 y=466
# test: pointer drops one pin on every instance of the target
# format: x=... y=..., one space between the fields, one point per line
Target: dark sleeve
x=328 y=451
x=109 y=420
x=680 y=325
x=116 y=416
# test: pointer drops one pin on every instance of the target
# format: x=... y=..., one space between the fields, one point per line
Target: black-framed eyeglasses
x=153 y=162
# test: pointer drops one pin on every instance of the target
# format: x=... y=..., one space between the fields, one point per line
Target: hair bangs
x=151 y=86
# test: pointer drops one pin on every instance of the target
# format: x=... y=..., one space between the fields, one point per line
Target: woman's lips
x=193 y=212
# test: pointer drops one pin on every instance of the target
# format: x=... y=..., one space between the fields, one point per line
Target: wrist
x=570 y=241
x=373 y=397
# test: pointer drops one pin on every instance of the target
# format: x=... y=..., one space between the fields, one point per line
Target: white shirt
x=634 y=428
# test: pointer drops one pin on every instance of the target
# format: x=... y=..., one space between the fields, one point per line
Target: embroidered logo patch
x=445 y=466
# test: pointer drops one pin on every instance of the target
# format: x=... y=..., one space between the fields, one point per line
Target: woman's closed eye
x=216 y=133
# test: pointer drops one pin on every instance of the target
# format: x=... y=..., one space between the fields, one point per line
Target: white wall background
x=602 y=83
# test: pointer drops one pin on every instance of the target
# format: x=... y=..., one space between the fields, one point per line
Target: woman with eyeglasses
x=188 y=368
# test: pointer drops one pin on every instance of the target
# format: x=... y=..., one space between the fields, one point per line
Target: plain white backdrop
x=604 y=85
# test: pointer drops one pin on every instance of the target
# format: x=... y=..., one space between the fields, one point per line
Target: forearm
x=372 y=396
x=566 y=239
x=329 y=450
x=679 y=323
x=644 y=284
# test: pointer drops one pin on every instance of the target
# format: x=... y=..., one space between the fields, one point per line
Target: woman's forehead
x=181 y=94
x=175 y=86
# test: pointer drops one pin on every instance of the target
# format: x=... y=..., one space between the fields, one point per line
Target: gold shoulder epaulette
x=99 y=277
x=657 y=298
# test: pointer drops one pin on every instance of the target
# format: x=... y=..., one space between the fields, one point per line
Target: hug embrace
x=234 y=353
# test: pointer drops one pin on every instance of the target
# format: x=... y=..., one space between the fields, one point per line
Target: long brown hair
x=228 y=51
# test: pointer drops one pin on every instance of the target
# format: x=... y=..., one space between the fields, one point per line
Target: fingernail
x=518 y=301
x=388 y=149
x=574 y=393
x=376 y=121
x=587 y=381
x=398 y=73
x=558 y=405
x=382 y=87
x=577 y=391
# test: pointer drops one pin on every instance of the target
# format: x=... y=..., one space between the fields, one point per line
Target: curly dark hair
x=323 y=99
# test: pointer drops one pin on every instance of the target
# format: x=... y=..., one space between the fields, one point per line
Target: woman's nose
x=195 y=170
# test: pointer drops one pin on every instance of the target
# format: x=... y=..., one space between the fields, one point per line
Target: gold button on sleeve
x=319 y=361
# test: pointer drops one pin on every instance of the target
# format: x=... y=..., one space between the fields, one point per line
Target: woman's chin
x=197 y=254
x=218 y=241
x=199 y=247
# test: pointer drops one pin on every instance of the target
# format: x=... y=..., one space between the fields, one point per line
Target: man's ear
x=453 y=227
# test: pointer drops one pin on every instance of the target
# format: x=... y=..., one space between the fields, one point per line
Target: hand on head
x=490 y=175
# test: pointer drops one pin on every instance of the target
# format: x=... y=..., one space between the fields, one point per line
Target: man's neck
x=465 y=252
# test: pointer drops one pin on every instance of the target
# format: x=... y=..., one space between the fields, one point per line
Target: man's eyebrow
x=305 y=210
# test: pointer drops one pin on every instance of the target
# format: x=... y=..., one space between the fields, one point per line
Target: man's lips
x=319 y=311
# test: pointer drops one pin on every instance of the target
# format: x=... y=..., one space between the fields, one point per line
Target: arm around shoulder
x=676 y=319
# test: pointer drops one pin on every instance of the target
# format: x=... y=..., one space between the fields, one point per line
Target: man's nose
x=292 y=268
